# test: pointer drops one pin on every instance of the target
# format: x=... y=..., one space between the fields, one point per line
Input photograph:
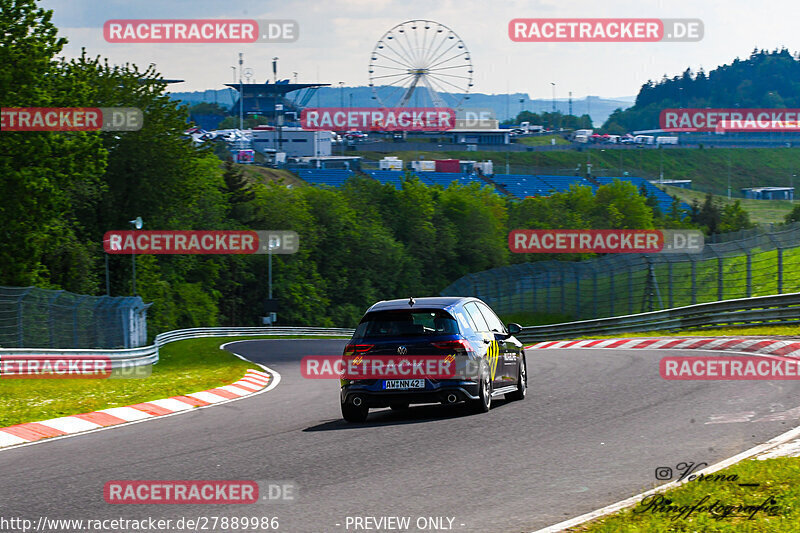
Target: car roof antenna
x=411 y=302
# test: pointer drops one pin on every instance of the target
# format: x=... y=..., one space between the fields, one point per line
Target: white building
x=295 y=142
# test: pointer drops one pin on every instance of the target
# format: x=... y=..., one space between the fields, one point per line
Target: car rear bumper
x=446 y=394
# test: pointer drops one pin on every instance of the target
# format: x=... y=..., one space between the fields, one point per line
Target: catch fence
x=742 y=264
x=39 y=318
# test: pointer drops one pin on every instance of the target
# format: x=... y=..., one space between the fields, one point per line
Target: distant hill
x=504 y=106
x=765 y=79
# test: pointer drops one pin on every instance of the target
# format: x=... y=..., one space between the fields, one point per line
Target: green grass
x=265 y=175
x=760 y=211
x=184 y=367
x=778 y=485
x=542 y=140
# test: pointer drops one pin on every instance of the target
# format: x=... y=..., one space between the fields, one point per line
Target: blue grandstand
x=395 y=177
x=325 y=176
x=524 y=185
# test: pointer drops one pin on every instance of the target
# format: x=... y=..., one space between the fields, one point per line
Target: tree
x=708 y=214
x=44 y=174
x=794 y=215
x=734 y=218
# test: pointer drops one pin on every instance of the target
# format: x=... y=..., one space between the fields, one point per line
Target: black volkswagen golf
x=431 y=350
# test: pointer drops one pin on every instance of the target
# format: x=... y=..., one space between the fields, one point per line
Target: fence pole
x=611 y=294
x=669 y=285
x=749 y=262
x=577 y=274
x=563 y=293
x=630 y=290
x=694 y=280
x=720 y=275
x=547 y=292
x=594 y=292
x=780 y=270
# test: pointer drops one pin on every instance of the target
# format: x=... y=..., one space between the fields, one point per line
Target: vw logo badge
x=402 y=350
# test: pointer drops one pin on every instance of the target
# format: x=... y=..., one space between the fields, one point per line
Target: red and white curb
x=254 y=381
x=759 y=346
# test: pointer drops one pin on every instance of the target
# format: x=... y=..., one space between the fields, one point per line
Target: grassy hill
x=761 y=211
x=264 y=175
x=707 y=168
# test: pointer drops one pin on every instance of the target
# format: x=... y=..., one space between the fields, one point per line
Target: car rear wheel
x=522 y=383
x=353 y=413
x=484 y=401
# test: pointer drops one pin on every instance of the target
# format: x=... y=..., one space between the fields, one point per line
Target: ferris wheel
x=420 y=63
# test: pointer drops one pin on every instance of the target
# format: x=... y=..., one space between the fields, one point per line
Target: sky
x=337 y=38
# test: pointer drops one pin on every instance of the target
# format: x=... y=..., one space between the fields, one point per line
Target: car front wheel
x=522 y=383
x=484 y=401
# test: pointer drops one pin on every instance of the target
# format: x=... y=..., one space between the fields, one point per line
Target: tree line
x=61 y=191
x=766 y=79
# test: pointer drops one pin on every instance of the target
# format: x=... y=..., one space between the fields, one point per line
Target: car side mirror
x=513 y=328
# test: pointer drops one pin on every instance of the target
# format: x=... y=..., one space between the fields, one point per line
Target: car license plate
x=404 y=384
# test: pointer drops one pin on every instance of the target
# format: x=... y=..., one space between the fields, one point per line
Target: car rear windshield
x=407 y=323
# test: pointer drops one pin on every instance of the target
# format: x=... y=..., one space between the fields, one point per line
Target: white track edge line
x=276 y=378
x=633 y=500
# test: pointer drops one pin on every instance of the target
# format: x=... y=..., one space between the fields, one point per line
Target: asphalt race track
x=593 y=430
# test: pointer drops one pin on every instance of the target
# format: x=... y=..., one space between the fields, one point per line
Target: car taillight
x=352 y=349
x=457 y=345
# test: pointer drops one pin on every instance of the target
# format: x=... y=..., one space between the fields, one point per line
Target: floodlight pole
x=241 y=93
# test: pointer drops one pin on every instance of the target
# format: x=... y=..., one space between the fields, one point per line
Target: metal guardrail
x=148 y=355
x=773 y=310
